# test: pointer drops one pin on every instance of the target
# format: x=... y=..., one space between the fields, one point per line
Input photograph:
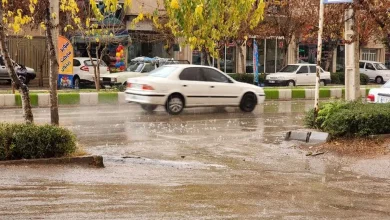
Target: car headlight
x=114 y=80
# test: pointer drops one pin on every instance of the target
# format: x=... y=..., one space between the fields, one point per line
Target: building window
x=369 y=54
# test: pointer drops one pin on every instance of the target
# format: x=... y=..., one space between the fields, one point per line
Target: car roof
x=369 y=61
x=84 y=58
x=188 y=65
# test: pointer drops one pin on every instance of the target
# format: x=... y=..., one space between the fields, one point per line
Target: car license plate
x=384 y=99
x=271 y=81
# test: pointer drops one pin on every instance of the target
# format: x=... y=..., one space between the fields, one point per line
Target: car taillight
x=147 y=87
x=371 y=98
x=128 y=85
x=108 y=69
x=84 y=68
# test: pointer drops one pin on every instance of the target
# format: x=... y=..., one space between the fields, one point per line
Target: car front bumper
x=275 y=82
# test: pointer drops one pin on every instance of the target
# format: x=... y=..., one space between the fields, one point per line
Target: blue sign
x=255 y=62
x=337 y=1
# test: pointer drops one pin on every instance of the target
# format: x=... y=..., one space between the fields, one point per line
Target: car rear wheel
x=379 y=80
x=290 y=83
x=248 y=102
x=148 y=108
x=174 y=105
x=322 y=83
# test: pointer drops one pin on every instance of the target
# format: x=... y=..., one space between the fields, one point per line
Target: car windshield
x=289 y=69
x=136 y=67
x=380 y=66
x=163 y=71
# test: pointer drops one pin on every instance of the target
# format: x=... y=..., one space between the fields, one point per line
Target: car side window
x=303 y=70
x=2 y=61
x=191 y=74
x=361 y=65
x=369 y=66
x=214 y=76
x=76 y=62
x=313 y=69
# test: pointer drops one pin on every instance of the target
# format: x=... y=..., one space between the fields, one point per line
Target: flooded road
x=204 y=164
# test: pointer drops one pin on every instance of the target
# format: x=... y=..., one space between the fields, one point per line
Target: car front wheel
x=175 y=105
x=248 y=102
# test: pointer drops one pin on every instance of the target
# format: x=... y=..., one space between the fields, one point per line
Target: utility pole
x=319 y=53
x=352 y=75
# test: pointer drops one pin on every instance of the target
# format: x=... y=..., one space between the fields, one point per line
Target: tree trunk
x=23 y=89
x=219 y=63
x=97 y=85
x=209 y=59
x=203 y=57
x=242 y=57
x=53 y=70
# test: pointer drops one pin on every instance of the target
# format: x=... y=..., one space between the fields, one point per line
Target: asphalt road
x=204 y=164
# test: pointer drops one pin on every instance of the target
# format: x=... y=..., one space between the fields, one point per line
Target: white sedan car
x=180 y=86
x=379 y=95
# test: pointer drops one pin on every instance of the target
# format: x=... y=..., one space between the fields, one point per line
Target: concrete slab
x=2 y=100
x=94 y=161
x=43 y=99
x=121 y=98
x=309 y=93
x=318 y=137
x=297 y=135
x=9 y=100
x=284 y=94
x=336 y=93
x=89 y=98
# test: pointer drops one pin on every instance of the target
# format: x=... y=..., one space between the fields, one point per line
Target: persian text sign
x=337 y=1
x=65 y=56
x=65 y=62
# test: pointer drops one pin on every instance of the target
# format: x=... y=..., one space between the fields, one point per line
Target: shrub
x=246 y=77
x=351 y=119
x=339 y=78
x=28 y=141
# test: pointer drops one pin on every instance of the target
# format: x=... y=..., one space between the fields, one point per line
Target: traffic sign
x=337 y=1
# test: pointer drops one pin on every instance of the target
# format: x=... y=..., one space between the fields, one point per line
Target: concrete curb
x=89 y=161
x=112 y=98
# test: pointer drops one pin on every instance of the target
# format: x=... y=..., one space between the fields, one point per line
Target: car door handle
x=211 y=86
x=184 y=85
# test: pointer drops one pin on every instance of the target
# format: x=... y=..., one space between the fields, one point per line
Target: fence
x=31 y=53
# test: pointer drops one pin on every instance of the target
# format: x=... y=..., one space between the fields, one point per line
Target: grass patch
x=298 y=93
x=324 y=93
x=108 y=98
x=271 y=94
x=69 y=98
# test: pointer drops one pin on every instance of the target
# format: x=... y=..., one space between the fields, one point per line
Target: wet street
x=206 y=163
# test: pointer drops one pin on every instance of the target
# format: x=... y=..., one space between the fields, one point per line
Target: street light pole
x=319 y=53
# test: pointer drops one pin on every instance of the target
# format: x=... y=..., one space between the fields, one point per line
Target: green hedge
x=246 y=77
x=298 y=93
x=339 y=78
x=351 y=119
x=29 y=141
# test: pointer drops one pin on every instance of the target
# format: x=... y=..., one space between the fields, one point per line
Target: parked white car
x=379 y=95
x=376 y=71
x=180 y=86
x=297 y=74
x=83 y=71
